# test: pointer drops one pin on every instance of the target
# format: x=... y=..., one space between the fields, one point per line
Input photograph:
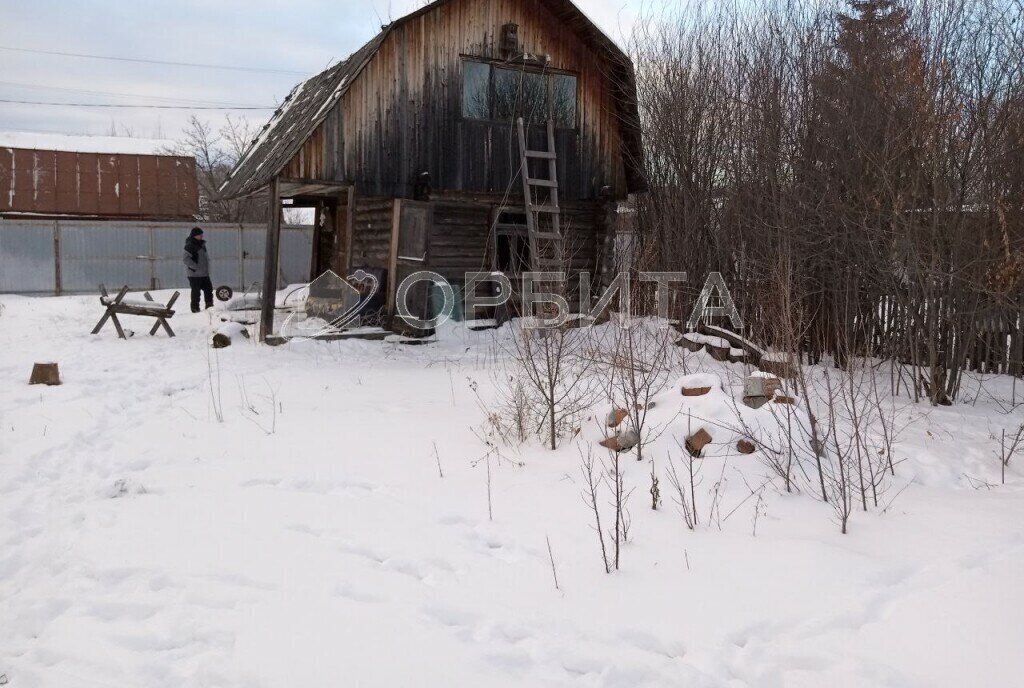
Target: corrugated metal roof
x=309 y=102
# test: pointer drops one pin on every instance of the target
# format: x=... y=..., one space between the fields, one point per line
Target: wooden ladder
x=546 y=247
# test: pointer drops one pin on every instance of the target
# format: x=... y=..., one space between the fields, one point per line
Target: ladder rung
x=543 y=182
x=545 y=155
x=553 y=209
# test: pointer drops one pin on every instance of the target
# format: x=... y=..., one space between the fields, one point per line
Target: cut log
x=753 y=352
x=616 y=416
x=45 y=374
x=621 y=442
x=719 y=353
x=698 y=384
x=696 y=442
x=746 y=447
x=692 y=341
x=761 y=385
x=778 y=364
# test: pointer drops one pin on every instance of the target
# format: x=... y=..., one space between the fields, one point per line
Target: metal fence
x=75 y=256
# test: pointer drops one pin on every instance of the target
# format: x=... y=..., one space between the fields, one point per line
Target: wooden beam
x=270 y=258
x=314 y=259
x=350 y=228
x=396 y=222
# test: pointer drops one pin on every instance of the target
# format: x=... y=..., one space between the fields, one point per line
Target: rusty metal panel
x=107 y=168
x=44 y=178
x=109 y=185
x=67 y=181
x=24 y=162
x=128 y=185
x=6 y=177
x=188 y=187
x=88 y=185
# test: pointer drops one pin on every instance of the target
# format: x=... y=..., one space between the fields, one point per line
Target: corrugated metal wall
x=75 y=256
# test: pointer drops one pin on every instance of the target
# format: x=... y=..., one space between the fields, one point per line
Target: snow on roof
x=84 y=144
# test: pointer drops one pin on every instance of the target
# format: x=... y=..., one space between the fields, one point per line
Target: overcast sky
x=295 y=35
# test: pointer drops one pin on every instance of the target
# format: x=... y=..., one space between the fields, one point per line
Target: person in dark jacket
x=197 y=264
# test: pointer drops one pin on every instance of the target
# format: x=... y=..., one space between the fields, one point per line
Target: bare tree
x=866 y=155
x=556 y=377
x=216 y=151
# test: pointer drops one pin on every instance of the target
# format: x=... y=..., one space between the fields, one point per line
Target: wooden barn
x=412 y=152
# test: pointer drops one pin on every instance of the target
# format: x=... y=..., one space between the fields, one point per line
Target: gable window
x=491 y=92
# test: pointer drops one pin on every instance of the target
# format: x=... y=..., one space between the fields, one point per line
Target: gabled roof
x=309 y=103
x=294 y=121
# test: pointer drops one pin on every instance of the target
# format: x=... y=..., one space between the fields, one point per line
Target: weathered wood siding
x=461 y=240
x=371 y=235
x=403 y=114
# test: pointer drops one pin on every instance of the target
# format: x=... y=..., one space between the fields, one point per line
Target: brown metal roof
x=309 y=103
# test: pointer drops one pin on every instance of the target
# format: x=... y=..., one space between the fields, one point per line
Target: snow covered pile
x=323 y=514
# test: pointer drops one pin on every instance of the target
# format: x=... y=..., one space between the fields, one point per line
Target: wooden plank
x=396 y=222
x=314 y=257
x=270 y=260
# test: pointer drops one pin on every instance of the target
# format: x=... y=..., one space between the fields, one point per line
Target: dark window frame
x=549 y=77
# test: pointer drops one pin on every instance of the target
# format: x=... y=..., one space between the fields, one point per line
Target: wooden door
x=410 y=252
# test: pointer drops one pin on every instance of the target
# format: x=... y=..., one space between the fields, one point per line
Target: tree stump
x=228 y=333
x=45 y=374
x=745 y=446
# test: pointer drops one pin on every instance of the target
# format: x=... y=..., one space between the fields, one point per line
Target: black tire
x=224 y=293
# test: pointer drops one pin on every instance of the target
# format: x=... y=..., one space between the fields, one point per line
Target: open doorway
x=511 y=257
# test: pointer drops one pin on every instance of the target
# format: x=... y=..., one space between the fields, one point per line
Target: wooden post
x=396 y=223
x=350 y=225
x=314 y=260
x=270 y=258
x=58 y=279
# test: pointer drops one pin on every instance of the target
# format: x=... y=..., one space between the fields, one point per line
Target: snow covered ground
x=309 y=540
